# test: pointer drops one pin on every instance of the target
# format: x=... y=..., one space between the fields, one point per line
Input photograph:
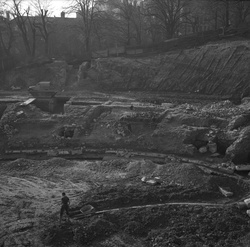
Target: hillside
x=219 y=68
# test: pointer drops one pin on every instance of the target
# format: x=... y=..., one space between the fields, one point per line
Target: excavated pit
x=138 y=142
x=66 y=132
x=141 y=136
x=124 y=205
x=51 y=104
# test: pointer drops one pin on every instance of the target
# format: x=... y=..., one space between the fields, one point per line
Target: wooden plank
x=226 y=191
x=27 y=102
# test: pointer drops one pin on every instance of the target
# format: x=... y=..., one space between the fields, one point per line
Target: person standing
x=65 y=206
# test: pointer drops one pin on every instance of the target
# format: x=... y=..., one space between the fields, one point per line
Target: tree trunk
x=227 y=13
x=33 y=42
x=171 y=31
x=26 y=45
x=128 y=33
x=216 y=20
x=87 y=42
x=46 y=48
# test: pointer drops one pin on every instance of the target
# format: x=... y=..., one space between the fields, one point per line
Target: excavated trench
x=185 y=212
x=138 y=195
x=89 y=211
x=53 y=105
x=142 y=212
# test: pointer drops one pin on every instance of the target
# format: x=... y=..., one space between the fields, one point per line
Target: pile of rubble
x=141 y=116
x=223 y=109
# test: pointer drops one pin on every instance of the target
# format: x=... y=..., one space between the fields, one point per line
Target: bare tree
x=193 y=17
x=241 y=11
x=220 y=10
x=127 y=23
x=137 y=20
x=6 y=30
x=6 y=36
x=214 y=10
x=32 y=27
x=153 y=28
x=24 y=23
x=42 y=23
x=88 y=11
x=200 y=16
x=105 y=30
x=226 y=15
x=169 y=13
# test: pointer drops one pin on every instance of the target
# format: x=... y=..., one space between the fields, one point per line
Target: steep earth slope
x=216 y=68
x=219 y=68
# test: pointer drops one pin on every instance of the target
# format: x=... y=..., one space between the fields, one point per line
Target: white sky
x=55 y=6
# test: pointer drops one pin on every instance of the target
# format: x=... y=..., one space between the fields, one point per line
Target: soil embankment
x=216 y=68
x=219 y=68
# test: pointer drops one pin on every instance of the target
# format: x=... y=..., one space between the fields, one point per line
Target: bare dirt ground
x=182 y=206
x=184 y=209
x=167 y=195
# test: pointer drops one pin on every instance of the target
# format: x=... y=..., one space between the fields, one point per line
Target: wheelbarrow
x=84 y=211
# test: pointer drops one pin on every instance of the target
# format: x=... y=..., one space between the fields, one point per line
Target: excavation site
x=139 y=168
x=136 y=145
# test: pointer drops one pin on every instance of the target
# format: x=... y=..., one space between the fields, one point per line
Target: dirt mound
x=187 y=175
x=179 y=175
x=116 y=165
x=18 y=165
x=220 y=109
x=35 y=167
x=182 y=174
x=24 y=122
x=176 y=174
x=97 y=172
x=175 y=182
x=57 y=162
x=15 y=113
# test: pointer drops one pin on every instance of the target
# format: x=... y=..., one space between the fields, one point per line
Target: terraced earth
x=185 y=207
